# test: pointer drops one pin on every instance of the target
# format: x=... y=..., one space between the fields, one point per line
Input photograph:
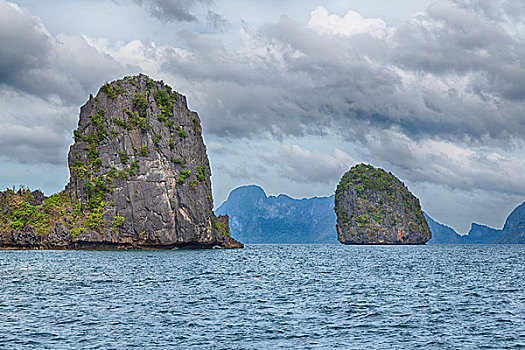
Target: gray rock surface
x=514 y=230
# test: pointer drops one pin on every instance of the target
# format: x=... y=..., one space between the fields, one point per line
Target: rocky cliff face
x=140 y=176
x=257 y=218
x=442 y=234
x=374 y=207
x=514 y=230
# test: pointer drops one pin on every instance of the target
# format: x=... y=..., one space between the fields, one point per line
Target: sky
x=291 y=93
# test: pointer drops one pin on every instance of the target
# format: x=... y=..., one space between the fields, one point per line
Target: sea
x=266 y=297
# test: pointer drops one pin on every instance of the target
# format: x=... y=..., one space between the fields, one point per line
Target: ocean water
x=265 y=297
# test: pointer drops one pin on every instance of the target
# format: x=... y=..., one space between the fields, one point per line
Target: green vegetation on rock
x=194 y=184
x=140 y=104
x=165 y=101
x=109 y=90
x=149 y=85
x=21 y=210
x=79 y=169
x=196 y=124
x=221 y=226
x=118 y=221
x=181 y=132
x=134 y=120
x=183 y=176
x=144 y=150
x=123 y=158
x=201 y=173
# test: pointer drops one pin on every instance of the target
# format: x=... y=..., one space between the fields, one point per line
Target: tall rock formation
x=140 y=176
x=374 y=207
x=258 y=218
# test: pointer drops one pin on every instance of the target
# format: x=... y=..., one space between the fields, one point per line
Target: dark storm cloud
x=455 y=166
x=439 y=99
x=451 y=72
x=295 y=87
x=25 y=44
x=43 y=81
x=171 y=10
x=449 y=39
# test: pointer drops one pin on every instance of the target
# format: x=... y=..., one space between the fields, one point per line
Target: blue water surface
x=265 y=297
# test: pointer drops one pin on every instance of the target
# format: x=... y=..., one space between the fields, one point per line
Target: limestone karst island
x=139 y=179
x=374 y=207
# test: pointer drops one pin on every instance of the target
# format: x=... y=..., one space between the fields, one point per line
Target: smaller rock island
x=374 y=207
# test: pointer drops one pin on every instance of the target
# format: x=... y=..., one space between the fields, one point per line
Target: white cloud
x=351 y=24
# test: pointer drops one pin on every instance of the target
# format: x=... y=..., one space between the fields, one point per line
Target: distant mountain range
x=512 y=233
x=478 y=234
x=257 y=218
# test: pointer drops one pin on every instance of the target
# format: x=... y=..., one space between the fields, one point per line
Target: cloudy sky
x=292 y=93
